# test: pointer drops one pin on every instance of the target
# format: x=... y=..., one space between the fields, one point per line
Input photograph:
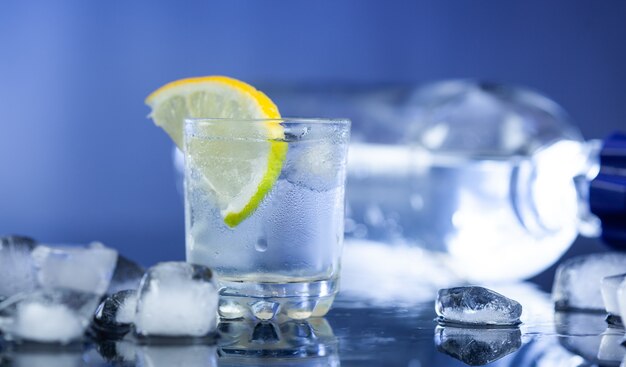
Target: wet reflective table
x=363 y=332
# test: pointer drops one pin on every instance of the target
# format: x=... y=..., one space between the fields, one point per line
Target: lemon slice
x=241 y=172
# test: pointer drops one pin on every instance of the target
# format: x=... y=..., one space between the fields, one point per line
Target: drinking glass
x=282 y=260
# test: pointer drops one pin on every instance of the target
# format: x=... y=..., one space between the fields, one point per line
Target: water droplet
x=261 y=245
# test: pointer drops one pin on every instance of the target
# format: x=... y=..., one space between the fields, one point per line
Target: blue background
x=79 y=161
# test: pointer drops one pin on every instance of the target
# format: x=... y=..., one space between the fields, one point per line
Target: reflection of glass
x=176 y=355
x=477 y=346
x=296 y=343
x=282 y=259
x=129 y=352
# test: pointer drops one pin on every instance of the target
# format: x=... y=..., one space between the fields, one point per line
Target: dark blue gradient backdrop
x=79 y=161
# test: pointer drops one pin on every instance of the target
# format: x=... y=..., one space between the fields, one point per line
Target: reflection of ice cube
x=116 y=313
x=127 y=275
x=119 y=353
x=602 y=350
x=578 y=280
x=477 y=305
x=31 y=355
x=580 y=333
x=477 y=347
x=48 y=316
x=17 y=271
x=611 y=350
x=177 y=299
x=86 y=269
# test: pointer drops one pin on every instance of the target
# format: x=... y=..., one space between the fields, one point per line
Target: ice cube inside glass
x=282 y=260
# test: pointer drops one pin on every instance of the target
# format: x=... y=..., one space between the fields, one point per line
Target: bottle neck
x=551 y=189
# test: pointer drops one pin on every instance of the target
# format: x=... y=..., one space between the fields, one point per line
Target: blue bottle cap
x=607 y=192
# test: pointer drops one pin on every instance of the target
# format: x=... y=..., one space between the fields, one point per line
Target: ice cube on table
x=127 y=275
x=17 y=269
x=18 y=240
x=578 y=280
x=116 y=314
x=69 y=282
x=476 y=306
x=621 y=305
x=47 y=315
x=177 y=299
x=86 y=269
x=477 y=346
x=609 y=288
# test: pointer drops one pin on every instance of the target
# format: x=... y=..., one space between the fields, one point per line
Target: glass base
x=276 y=301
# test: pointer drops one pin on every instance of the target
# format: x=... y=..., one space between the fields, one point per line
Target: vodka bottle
x=494 y=177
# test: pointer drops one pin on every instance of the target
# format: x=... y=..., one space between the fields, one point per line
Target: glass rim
x=303 y=120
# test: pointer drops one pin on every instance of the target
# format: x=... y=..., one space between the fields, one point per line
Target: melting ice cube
x=177 y=299
x=87 y=269
x=477 y=306
x=48 y=316
x=17 y=270
x=69 y=284
x=610 y=288
x=18 y=240
x=578 y=280
x=617 y=318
